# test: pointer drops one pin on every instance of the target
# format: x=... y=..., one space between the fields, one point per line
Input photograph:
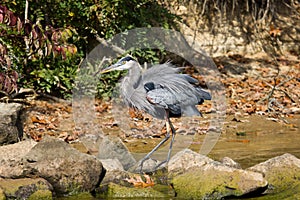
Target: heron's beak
x=110 y=68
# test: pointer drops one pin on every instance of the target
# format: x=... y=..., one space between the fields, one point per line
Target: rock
x=115 y=191
x=230 y=163
x=11 y=159
x=197 y=177
x=112 y=164
x=117 y=177
x=118 y=184
x=115 y=184
x=186 y=159
x=282 y=173
x=68 y=170
x=149 y=166
x=2 y=195
x=16 y=151
x=11 y=127
x=113 y=147
x=91 y=142
x=26 y=188
x=80 y=147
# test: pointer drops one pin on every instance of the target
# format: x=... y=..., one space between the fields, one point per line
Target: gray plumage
x=171 y=90
x=160 y=91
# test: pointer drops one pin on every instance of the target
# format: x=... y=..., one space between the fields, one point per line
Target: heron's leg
x=171 y=144
x=168 y=125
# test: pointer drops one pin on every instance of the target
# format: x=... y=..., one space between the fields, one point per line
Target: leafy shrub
x=46 y=49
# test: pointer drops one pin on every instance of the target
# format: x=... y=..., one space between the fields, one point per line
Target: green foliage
x=54 y=80
x=46 y=49
x=120 y=15
x=107 y=84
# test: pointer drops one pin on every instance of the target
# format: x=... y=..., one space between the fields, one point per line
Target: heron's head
x=124 y=63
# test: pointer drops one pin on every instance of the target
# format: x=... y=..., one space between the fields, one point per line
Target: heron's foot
x=142 y=163
x=148 y=164
x=161 y=163
x=141 y=167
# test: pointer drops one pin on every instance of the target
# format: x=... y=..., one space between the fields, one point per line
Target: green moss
x=2 y=195
x=289 y=194
x=283 y=179
x=117 y=191
x=25 y=187
x=41 y=195
x=200 y=184
x=72 y=188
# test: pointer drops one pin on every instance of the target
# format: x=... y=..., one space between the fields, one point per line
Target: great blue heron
x=160 y=91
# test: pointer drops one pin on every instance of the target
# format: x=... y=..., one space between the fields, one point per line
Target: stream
x=257 y=140
x=252 y=140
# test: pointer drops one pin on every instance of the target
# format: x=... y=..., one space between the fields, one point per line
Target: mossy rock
x=211 y=184
x=283 y=179
x=2 y=195
x=26 y=188
x=41 y=195
x=282 y=173
x=113 y=190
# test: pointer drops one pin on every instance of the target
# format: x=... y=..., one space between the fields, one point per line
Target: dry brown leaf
x=38 y=119
x=137 y=181
x=274 y=32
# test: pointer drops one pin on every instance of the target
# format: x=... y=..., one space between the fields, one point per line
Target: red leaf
x=27 y=28
x=13 y=20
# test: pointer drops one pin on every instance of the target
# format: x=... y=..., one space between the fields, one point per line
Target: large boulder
x=113 y=147
x=283 y=174
x=65 y=168
x=198 y=177
x=11 y=127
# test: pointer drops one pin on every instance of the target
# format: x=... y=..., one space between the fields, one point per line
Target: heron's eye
x=124 y=62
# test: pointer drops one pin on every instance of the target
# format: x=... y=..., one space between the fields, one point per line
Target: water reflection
x=262 y=139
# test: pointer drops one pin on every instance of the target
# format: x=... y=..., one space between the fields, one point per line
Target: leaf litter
x=254 y=86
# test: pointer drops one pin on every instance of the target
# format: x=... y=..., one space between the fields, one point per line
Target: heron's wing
x=161 y=87
x=164 y=98
x=134 y=94
x=172 y=90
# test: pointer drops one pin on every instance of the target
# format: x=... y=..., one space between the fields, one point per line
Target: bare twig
x=113 y=47
x=203 y=8
x=26 y=21
x=265 y=11
x=276 y=87
x=26 y=10
x=288 y=95
x=99 y=67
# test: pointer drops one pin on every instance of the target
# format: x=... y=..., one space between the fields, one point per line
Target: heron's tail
x=202 y=95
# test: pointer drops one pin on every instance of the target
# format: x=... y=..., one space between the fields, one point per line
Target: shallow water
x=250 y=142
x=257 y=140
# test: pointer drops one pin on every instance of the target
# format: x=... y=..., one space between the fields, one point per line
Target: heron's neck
x=134 y=73
x=131 y=80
